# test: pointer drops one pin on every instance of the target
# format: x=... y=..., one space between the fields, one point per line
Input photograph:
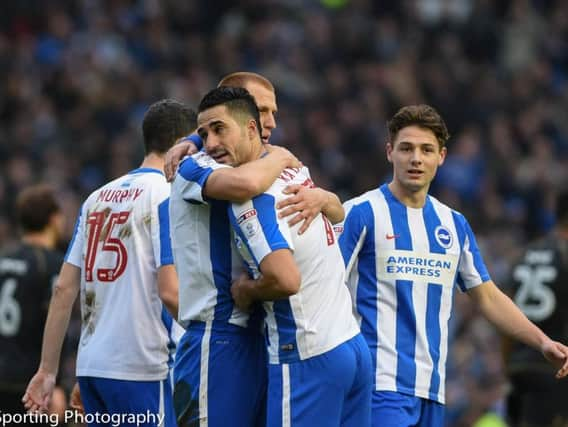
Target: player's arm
x=39 y=390
x=509 y=319
x=280 y=279
x=185 y=146
x=168 y=288
x=307 y=203
x=246 y=181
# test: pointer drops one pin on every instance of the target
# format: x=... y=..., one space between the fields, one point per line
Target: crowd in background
x=77 y=76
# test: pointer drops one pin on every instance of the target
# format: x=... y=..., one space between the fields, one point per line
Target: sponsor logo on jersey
x=246 y=215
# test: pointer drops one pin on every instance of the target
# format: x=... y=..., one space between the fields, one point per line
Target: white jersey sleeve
x=75 y=248
x=193 y=174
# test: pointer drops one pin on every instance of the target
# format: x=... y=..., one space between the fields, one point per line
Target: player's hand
x=38 y=393
x=305 y=202
x=239 y=292
x=183 y=147
x=75 y=401
x=290 y=161
x=557 y=354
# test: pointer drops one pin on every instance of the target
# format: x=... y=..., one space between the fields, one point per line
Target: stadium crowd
x=76 y=77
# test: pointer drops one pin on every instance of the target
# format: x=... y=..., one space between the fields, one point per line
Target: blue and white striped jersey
x=120 y=240
x=319 y=317
x=402 y=264
x=204 y=252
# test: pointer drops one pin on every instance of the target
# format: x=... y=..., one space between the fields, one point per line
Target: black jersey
x=539 y=282
x=27 y=274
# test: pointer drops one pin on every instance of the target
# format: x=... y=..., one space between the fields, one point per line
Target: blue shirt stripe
x=366 y=297
x=166 y=255
x=265 y=209
x=433 y=333
x=434 y=300
x=288 y=351
x=221 y=259
x=405 y=318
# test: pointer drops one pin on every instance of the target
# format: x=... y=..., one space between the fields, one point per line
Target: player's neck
x=45 y=239
x=412 y=199
x=154 y=161
x=258 y=150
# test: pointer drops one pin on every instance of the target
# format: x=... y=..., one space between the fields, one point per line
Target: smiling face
x=226 y=139
x=415 y=154
x=266 y=101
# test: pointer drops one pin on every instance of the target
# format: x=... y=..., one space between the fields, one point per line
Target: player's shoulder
x=444 y=209
x=289 y=176
x=362 y=199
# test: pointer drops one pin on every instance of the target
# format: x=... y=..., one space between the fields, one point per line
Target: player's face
x=225 y=140
x=415 y=155
x=266 y=101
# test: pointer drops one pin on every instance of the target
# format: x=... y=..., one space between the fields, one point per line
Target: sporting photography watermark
x=114 y=420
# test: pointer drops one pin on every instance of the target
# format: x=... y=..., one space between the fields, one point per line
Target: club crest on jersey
x=443 y=237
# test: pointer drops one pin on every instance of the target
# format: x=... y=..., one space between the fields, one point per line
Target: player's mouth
x=220 y=156
x=415 y=173
x=265 y=138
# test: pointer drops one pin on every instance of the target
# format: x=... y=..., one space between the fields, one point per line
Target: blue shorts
x=220 y=376
x=115 y=398
x=329 y=390
x=392 y=409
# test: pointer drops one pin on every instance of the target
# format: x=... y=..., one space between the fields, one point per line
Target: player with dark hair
x=220 y=367
x=27 y=273
x=120 y=259
x=320 y=370
x=404 y=253
x=538 y=284
x=304 y=204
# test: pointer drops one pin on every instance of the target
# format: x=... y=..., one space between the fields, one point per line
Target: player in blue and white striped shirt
x=218 y=370
x=404 y=251
x=320 y=369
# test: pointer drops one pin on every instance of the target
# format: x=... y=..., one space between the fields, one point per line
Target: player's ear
x=252 y=129
x=389 y=147
x=443 y=153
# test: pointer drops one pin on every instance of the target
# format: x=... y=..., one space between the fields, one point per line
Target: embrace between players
x=320 y=330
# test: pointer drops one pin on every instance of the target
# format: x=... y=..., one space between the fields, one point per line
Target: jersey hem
x=410 y=392
x=276 y=360
x=126 y=376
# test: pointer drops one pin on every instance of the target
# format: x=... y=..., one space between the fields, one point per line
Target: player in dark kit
x=540 y=288
x=27 y=271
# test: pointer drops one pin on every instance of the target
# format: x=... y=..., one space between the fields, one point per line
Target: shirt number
x=534 y=297
x=96 y=226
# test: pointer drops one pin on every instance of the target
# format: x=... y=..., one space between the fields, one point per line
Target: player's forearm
x=508 y=318
x=268 y=289
x=168 y=288
x=257 y=176
x=333 y=209
x=60 y=308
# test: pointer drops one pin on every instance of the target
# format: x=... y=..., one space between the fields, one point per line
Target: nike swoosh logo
x=391 y=236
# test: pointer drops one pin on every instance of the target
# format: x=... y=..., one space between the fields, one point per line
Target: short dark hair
x=423 y=116
x=562 y=209
x=239 y=102
x=34 y=207
x=164 y=123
